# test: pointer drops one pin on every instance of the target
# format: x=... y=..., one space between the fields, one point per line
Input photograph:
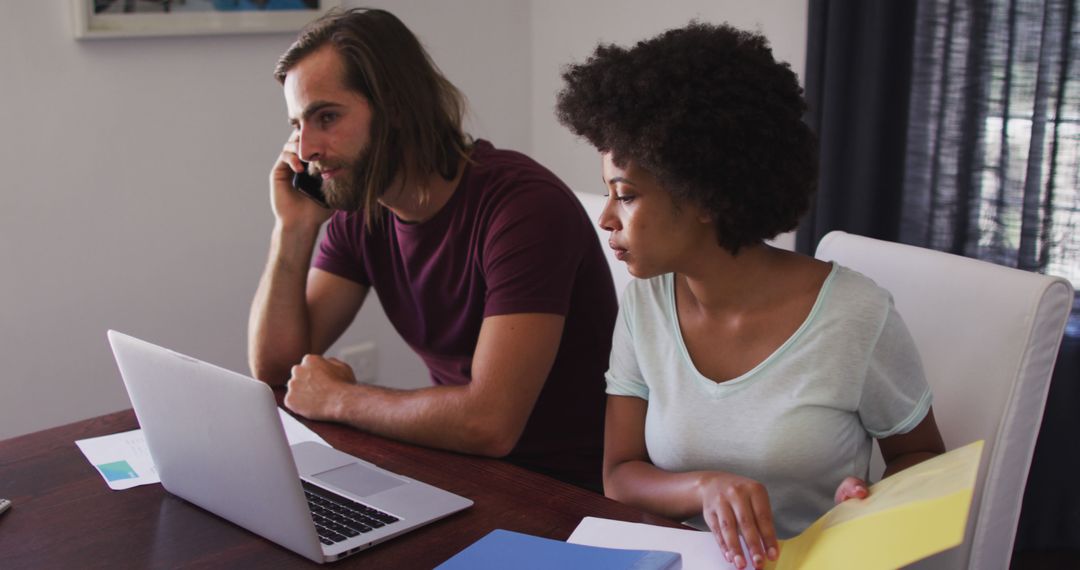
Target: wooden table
x=65 y=516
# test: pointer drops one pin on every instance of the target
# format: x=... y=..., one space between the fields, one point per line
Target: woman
x=745 y=382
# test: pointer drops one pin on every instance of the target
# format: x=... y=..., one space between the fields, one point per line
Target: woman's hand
x=851 y=488
x=734 y=506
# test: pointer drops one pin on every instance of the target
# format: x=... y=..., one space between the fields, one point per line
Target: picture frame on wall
x=97 y=19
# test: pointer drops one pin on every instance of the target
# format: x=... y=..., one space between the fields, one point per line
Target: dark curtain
x=956 y=126
x=994 y=135
x=857 y=88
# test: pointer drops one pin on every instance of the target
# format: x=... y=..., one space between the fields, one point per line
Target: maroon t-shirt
x=511 y=239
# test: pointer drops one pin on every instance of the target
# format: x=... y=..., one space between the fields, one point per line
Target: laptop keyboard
x=337 y=518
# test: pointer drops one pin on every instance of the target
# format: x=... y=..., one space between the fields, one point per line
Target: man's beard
x=344 y=191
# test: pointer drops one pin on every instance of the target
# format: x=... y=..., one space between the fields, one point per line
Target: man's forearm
x=278 y=327
x=510 y=365
x=444 y=417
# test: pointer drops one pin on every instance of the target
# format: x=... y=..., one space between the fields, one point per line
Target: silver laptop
x=217 y=441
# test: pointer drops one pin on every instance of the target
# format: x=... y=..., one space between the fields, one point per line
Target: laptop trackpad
x=358 y=480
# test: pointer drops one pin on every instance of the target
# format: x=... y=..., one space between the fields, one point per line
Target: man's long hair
x=416 y=112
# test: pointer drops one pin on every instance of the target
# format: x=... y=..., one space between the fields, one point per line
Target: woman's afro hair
x=711 y=113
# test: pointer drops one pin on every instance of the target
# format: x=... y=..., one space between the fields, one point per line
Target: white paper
x=124 y=461
x=297 y=432
x=698 y=549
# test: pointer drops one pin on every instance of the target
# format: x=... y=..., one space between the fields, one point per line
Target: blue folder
x=504 y=549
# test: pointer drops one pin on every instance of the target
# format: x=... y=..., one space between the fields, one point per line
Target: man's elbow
x=263 y=369
x=494 y=439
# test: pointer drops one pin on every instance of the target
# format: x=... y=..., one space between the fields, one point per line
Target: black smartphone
x=310 y=186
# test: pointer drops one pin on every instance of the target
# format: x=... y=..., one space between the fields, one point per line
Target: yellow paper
x=913 y=514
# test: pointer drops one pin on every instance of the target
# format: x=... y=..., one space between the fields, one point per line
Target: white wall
x=134 y=188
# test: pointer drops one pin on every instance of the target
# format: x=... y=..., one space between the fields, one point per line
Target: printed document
x=916 y=513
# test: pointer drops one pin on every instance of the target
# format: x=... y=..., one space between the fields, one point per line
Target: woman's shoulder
x=851 y=292
x=647 y=300
x=856 y=283
x=649 y=290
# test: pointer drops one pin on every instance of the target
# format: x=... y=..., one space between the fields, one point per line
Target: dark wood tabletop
x=65 y=516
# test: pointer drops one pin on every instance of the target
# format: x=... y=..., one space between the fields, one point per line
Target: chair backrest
x=594 y=204
x=988 y=336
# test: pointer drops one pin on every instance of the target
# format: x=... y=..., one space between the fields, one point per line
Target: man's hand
x=291 y=207
x=734 y=506
x=851 y=488
x=317 y=387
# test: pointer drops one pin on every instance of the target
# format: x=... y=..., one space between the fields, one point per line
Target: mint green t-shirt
x=798 y=422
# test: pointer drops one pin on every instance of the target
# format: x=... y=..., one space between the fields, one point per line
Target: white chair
x=594 y=204
x=988 y=336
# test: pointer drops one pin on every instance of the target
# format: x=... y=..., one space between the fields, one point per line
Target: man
x=483 y=260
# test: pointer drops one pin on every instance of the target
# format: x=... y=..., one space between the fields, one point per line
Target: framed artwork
x=134 y=18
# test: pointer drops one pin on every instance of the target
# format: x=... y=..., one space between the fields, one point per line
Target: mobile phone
x=310 y=186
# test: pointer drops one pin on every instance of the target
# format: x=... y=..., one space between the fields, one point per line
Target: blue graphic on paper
x=117 y=470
